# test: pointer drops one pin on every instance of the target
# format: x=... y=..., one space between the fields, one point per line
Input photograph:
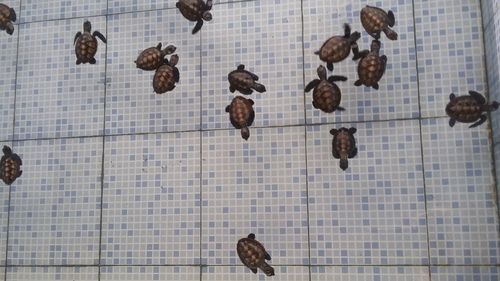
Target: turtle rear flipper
x=358 y=83
x=198 y=26
x=92 y=61
x=353 y=153
x=254 y=270
x=482 y=119
x=312 y=85
x=245 y=133
x=13 y=16
x=209 y=5
x=246 y=91
x=452 y=122
x=259 y=87
x=452 y=96
x=329 y=65
x=10 y=28
x=391 y=34
x=375 y=86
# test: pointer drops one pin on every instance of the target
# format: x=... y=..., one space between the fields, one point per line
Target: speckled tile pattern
x=120 y=183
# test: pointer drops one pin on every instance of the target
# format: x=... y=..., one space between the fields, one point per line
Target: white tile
x=8 y=59
x=43 y=10
x=150 y=273
x=465 y=273
x=52 y=273
x=285 y=273
x=4 y=210
x=365 y=273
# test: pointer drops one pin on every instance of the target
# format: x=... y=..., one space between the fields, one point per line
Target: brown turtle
x=166 y=76
x=241 y=115
x=86 y=44
x=195 y=10
x=7 y=17
x=371 y=67
x=469 y=109
x=376 y=20
x=337 y=48
x=326 y=95
x=154 y=57
x=244 y=81
x=253 y=254
x=10 y=166
x=344 y=145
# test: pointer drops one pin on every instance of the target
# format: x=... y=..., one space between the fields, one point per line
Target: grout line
x=421 y=141
x=201 y=154
x=99 y=261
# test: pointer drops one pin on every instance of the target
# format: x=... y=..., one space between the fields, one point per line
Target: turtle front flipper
x=78 y=34
x=357 y=54
x=452 y=122
x=313 y=84
x=336 y=78
x=209 y=5
x=391 y=34
x=478 y=97
x=100 y=36
x=267 y=256
x=177 y=75
x=482 y=119
x=12 y=15
x=329 y=65
x=391 y=18
x=452 y=96
x=259 y=87
x=198 y=26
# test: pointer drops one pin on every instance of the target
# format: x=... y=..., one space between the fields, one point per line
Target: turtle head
x=170 y=49
x=174 y=59
x=245 y=133
x=6 y=150
x=347 y=30
x=268 y=270
x=87 y=26
x=375 y=46
x=321 y=72
x=251 y=236
x=207 y=16
x=354 y=37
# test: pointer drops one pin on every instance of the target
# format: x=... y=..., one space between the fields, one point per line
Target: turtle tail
x=391 y=34
x=259 y=87
x=245 y=133
x=344 y=164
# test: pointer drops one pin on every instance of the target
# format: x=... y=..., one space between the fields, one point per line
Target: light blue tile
x=255 y=186
x=463 y=219
x=151 y=207
x=123 y=6
x=450 y=51
x=150 y=273
x=4 y=212
x=465 y=273
x=8 y=56
x=55 y=204
x=55 y=97
x=374 y=212
x=397 y=96
x=131 y=105
x=43 y=10
x=266 y=38
x=497 y=170
x=52 y=273
x=285 y=273
x=368 y=273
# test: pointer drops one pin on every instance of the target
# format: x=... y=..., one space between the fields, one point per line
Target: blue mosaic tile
x=368 y=273
x=123 y=6
x=150 y=273
x=450 y=51
x=55 y=204
x=463 y=219
x=285 y=273
x=43 y=10
x=8 y=56
x=465 y=273
x=497 y=170
x=4 y=211
x=131 y=105
x=266 y=38
x=52 y=273
x=397 y=96
x=374 y=212
x=55 y=97
x=151 y=200
x=254 y=186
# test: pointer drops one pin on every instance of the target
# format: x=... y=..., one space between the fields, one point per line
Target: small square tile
x=52 y=273
x=450 y=51
x=367 y=273
x=285 y=273
x=4 y=212
x=151 y=201
x=44 y=10
x=398 y=94
x=497 y=170
x=124 y=6
x=150 y=273
x=55 y=97
x=55 y=204
x=131 y=104
x=255 y=186
x=465 y=273
x=374 y=212
x=8 y=58
x=266 y=37
x=463 y=219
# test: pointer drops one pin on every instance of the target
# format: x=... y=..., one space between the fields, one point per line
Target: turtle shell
x=5 y=17
x=10 y=166
x=373 y=19
x=327 y=96
x=149 y=59
x=241 y=112
x=251 y=252
x=241 y=80
x=191 y=9
x=464 y=109
x=335 y=49
x=343 y=142
x=85 y=47
x=371 y=69
x=164 y=79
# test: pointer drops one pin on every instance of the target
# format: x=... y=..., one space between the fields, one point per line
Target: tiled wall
x=123 y=184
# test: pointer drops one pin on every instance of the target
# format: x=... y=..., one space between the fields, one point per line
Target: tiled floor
x=123 y=184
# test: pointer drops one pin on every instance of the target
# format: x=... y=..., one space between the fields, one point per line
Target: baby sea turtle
x=344 y=145
x=86 y=44
x=241 y=115
x=337 y=48
x=7 y=17
x=253 y=254
x=154 y=57
x=376 y=20
x=326 y=95
x=469 y=109
x=10 y=166
x=371 y=67
x=244 y=81
x=166 y=76
x=195 y=10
